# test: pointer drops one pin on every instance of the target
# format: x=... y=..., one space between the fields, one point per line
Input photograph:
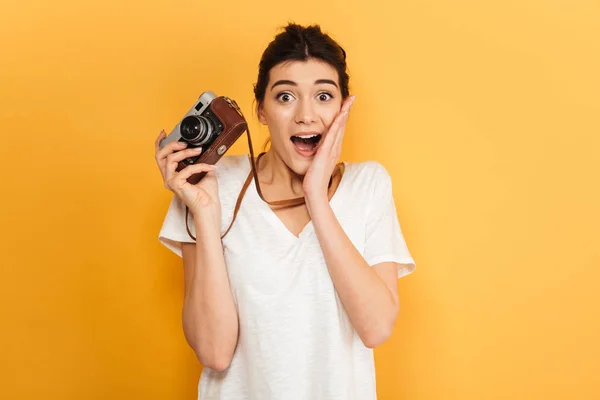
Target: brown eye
x=325 y=96
x=284 y=97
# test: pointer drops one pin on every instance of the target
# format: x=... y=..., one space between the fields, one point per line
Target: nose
x=305 y=113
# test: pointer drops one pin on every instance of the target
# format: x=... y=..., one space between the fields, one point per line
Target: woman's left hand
x=316 y=180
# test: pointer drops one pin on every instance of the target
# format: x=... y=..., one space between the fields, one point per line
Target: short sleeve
x=231 y=173
x=173 y=231
x=384 y=240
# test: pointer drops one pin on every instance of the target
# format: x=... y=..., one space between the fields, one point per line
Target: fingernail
x=197 y=150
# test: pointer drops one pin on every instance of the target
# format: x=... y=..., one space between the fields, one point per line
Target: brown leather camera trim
x=234 y=126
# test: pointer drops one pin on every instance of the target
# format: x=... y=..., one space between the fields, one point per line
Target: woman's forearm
x=369 y=303
x=209 y=316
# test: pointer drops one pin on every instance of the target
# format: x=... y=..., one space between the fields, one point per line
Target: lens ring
x=196 y=129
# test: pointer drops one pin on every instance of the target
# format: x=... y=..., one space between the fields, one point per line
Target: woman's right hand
x=201 y=197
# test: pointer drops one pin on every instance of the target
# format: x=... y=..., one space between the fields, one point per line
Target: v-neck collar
x=278 y=224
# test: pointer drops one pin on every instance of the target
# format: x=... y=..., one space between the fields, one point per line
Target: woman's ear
x=261 y=114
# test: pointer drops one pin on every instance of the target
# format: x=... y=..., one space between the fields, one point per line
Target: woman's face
x=302 y=99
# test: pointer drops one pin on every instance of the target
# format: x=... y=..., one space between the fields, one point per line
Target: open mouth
x=306 y=142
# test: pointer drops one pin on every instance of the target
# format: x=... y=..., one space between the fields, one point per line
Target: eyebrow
x=292 y=83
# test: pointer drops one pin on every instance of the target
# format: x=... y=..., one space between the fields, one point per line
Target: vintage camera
x=214 y=123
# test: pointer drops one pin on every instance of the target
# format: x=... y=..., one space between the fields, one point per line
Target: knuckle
x=176 y=145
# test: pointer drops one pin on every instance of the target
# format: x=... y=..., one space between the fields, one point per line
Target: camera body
x=213 y=123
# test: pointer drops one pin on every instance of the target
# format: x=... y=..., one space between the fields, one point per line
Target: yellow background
x=486 y=114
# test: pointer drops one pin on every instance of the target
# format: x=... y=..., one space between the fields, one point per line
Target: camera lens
x=196 y=129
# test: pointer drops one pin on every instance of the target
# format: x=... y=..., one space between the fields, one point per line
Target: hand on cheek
x=317 y=177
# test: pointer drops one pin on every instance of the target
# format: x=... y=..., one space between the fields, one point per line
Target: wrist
x=316 y=196
x=317 y=203
x=206 y=222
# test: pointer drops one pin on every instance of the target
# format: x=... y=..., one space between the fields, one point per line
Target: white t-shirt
x=296 y=341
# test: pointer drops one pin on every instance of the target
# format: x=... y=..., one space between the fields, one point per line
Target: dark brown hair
x=301 y=43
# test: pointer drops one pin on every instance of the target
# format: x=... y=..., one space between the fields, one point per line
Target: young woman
x=291 y=301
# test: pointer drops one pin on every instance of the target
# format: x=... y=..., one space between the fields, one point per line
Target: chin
x=298 y=163
x=301 y=168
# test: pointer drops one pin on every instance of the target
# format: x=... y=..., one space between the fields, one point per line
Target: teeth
x=307 y=136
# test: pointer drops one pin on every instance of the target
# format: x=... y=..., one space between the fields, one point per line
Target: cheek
x=280 y=124
x=284 y=116
x=330 y=117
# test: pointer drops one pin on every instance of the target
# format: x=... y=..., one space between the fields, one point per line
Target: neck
x=274 y=171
